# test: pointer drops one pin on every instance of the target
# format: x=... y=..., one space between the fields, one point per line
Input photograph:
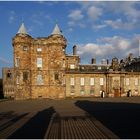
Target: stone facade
x=116 y=84
x=39 y=66
x=42 y=69
x=8 y=82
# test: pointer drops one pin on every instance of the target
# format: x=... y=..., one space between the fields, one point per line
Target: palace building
x=42 y=69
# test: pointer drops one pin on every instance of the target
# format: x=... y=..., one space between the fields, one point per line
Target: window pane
x=39 y=49
x=127 y=81
x=25 y=76
x=91 y=81
x=39 y=62
x=39 y=80
x=25 y=48
x=17 y=79
x=136 y=82
x=17 y=62
x=56 y=76
x=82 y=81
x=101 y=81
x=99 y=68
x=9 y=74
x=72 y=81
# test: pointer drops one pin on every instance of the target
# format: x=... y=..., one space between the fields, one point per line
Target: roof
x=56 y=30
x=22 y=29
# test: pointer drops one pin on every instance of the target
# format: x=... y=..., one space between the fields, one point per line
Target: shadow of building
x=121 y=118
x=36 y=127
x=1 y=90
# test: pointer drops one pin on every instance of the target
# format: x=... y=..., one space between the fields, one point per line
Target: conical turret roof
x=56 y=30
x=22 y=29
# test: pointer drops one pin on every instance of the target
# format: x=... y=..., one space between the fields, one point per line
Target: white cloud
x=76 y=15
x=71 y=23
x=119 y=24
x=36 y=18
x=12 y=17
x=127 y=13
x=108 y=47
x=100 y=26
x=78 y=24
x=94 y=12
x=115 y=24
x=70 y=29
x=82 y=25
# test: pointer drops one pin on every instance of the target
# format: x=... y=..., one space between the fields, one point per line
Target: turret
x=22 y=29
x=56 y=30
x=22 y=36
x=57 y=37
x=22 y=45
x=22 y=60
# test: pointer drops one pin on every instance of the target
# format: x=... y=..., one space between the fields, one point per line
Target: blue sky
x=99 y=29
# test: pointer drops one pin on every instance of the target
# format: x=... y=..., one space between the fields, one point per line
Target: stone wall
x=8 y=82
x=42 y=63
x=89 y=90
x=114 y=84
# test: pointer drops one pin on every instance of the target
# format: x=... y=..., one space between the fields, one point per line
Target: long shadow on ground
x=13 y=118
x=36 y=127
x=121 y=118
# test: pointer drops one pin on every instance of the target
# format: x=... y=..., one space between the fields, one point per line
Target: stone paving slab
x=68 y=109
x=77 y=127
x=107 y=110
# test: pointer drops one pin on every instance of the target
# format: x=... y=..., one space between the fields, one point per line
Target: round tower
x=22 y=47
x=57 y=60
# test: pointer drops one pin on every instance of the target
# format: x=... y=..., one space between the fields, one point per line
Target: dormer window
x=99 y=68
x=72 y=66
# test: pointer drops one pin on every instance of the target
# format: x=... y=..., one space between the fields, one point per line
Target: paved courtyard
x=71 y=118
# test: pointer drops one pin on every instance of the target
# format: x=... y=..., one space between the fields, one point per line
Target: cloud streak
x=76 y=15
x=5 y=61
x=12 y=17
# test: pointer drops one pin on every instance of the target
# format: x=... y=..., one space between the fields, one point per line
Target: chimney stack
x=93 y=61
x=107 y=61
x=74 y=50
